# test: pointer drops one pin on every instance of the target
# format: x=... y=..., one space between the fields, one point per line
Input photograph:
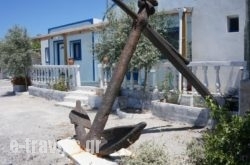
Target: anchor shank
x=121 y=68
x=172 y=55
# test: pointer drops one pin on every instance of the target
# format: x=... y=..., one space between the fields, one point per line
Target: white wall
x=86 y=64
x=210 y=38
x=44 y=44
x=87 y=39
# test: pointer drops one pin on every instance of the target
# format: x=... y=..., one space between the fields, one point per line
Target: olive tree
x=114 y=36
x=16 y=51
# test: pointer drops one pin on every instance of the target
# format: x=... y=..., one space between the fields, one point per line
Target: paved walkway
x=24 y=118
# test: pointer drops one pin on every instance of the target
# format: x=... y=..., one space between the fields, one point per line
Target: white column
x=217 y=80
x=205 y=81
x=78 y=77
x=180 y=44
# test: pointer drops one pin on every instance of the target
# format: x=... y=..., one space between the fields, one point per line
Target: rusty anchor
x=113 y=139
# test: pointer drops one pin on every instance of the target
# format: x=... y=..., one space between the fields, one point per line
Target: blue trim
x=75 y=56
x=57 y=43
x=91 y=20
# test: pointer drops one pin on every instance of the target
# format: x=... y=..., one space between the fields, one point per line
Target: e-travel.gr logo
x=47 y=146
x=33 y=146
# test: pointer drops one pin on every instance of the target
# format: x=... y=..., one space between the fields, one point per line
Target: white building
x=211 y=35
x=74 y=40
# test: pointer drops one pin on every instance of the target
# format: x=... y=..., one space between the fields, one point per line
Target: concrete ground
x=29 y=126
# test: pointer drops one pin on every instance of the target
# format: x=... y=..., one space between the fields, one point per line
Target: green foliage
x=148 y=153
x=21 y=81
x=36 y=46
x=229 y=142
x=170 y=94
x=114 y=37
x=15 y=52
x=60 y=85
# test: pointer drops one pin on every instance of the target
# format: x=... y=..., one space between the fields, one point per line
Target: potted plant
x=20 y=84
x=15 y=57
x=71 y=61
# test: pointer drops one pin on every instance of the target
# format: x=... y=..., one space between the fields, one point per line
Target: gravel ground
x=25 y=119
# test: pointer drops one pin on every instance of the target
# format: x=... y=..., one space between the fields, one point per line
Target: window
x=47 y=57
x=75 y=49
x=233 y=23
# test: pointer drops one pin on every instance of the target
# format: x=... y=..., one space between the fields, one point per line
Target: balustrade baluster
x=47 y=76
x=205 y=81
x=71 y=77
x=40 y=75
x=217 y=80
x=66 y=79
x=184 y=85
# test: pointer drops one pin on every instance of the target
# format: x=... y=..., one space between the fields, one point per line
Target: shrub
x=148 y=153
x=21 y=81
x=60 y=85
x=228 y=143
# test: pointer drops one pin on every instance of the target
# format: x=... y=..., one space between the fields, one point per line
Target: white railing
x=47 y=75
x=217 y=76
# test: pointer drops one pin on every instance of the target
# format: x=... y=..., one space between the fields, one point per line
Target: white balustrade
x=213 y=74
x=47 y=75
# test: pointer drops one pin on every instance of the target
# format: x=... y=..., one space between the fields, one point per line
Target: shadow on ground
x=168 y=128
x=8 y=94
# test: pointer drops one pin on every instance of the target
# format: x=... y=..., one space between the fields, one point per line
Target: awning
x=83 y=29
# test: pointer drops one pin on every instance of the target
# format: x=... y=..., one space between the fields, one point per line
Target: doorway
x=59 y=52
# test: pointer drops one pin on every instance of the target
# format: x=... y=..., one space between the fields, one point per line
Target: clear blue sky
x=39 y=15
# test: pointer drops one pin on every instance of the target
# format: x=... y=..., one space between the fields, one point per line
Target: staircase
x=83 y=94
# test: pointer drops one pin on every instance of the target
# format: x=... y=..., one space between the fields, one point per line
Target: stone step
x=88 y=88
x=69 y=104
x=66 y=104
x=73 y=98
x=83 y=94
